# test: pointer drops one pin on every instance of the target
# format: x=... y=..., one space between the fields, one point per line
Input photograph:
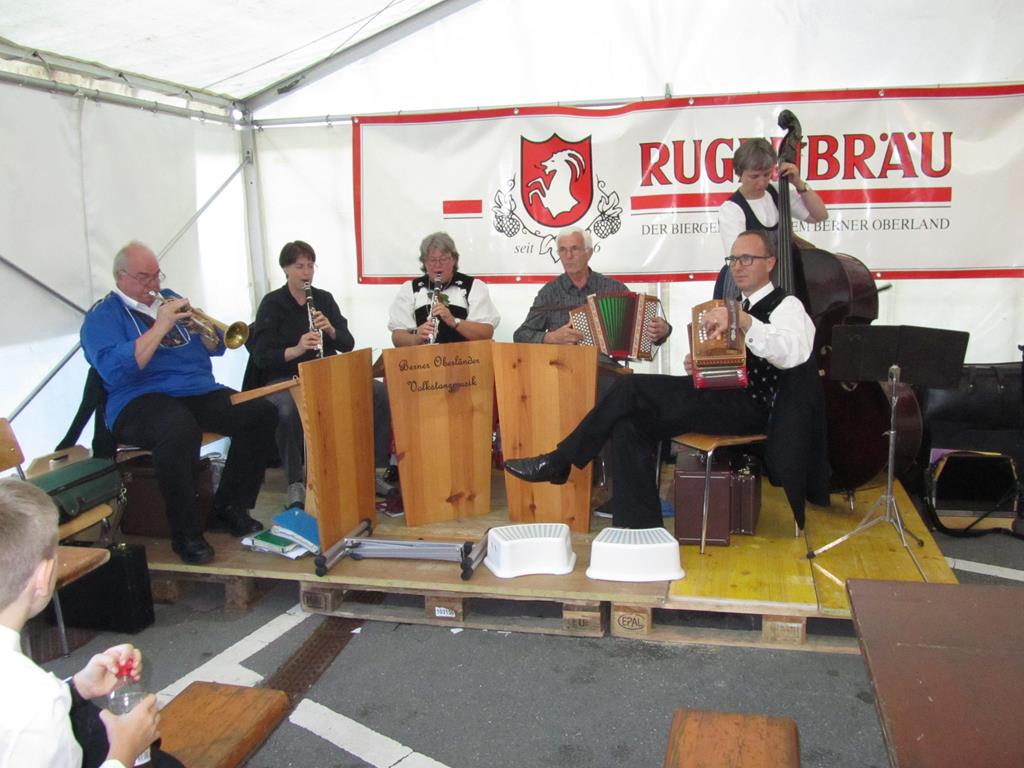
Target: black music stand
x=925 y=356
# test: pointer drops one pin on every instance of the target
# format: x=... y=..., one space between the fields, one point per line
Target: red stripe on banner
x=858 y=94
x=685 y=200
x=452 y=207
x=835 y=196
x=700 y=277
x=896 y=195
x=357 y=197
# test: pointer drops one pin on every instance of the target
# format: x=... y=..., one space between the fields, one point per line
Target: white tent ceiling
x=234 y=48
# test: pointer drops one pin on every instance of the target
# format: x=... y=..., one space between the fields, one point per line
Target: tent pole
x=46 y=380
x=36 y=281
x=195 y=216
x=258 y=286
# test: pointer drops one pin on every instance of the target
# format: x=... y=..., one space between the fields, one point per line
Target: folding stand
x=925 y=356
x=358 y=547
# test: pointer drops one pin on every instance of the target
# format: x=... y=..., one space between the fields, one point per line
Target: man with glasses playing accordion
x=161 y=396
x=548 y=319
x=639 y=411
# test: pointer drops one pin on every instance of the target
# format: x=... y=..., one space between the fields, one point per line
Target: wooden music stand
x=442 y=410
x=544 y=390
x=334 y=396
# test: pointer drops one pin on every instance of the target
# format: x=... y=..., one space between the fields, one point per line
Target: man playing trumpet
x=161 y=396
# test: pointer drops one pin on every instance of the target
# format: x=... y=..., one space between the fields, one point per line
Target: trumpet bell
x=236 y=335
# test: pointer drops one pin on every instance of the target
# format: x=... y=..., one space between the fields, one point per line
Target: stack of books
x=267 y=541
x=298 y=526
x=293 y=534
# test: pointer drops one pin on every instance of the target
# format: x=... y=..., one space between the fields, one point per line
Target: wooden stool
x=702 y=739
x=210 y=725
x=708 y=444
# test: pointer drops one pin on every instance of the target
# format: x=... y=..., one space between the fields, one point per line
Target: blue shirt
x=180 y=367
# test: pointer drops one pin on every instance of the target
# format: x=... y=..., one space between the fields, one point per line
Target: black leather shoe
x=236 y=521
x=194 y=550
x=546 y=468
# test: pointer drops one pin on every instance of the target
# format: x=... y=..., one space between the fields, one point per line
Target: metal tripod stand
x=885 y=509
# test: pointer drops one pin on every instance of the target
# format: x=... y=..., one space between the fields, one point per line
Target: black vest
x=763 y=376
x=752 y=222
x=725 y=287
x=459 y=282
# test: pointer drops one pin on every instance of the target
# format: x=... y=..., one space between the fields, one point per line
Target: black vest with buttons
x=763 y=376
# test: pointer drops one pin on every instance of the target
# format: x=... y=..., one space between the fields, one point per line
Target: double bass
x=835 y=289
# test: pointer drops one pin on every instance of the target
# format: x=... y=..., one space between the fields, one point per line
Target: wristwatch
x=807 y=188
x=457 y=321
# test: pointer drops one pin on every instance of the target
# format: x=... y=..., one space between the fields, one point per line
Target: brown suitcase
x=144 y=513
x=689 y=499
x=746 y=494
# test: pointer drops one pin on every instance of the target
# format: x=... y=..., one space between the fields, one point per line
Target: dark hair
x=291 y=252
x=440 y=241
x=754 y=155
x=765 y=237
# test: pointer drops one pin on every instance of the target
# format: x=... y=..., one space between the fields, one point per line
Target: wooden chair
x=72 y=565
x=708 y=444
x=211 y=725
x=703 y=739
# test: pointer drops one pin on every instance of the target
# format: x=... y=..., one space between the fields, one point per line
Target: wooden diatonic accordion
x=719 y=363
x=616 y=323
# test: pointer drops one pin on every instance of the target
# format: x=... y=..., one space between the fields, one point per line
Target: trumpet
x=235 y=335
x=310 y=309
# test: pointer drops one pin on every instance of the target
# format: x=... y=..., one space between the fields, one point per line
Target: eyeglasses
x=744 y=259
x=574 y=250
x=146 y=277
x=438 y=259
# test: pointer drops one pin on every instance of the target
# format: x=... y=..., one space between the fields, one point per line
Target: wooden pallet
x=240 y=592
x=681 y=626
x=587 y=618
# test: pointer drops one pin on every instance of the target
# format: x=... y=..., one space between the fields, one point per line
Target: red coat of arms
x=557 y=184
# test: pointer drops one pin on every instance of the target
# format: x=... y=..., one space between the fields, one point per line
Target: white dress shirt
x=35 y=722
x=786 y=339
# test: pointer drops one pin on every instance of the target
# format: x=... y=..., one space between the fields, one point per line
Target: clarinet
x=310 y=309
x=435 y=296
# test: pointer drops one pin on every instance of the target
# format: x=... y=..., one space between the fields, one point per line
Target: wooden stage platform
x=759 y=591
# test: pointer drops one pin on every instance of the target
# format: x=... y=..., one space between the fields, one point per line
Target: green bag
x=80 y=486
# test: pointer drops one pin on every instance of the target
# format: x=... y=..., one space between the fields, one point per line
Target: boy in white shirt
x=36 y=707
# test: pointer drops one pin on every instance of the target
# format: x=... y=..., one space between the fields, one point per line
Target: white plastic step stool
x=518 y=550
x=625 y=554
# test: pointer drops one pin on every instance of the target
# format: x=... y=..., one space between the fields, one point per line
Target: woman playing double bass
x=755 y=205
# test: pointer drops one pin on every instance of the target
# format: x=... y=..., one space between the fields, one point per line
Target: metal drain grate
x=311 y=659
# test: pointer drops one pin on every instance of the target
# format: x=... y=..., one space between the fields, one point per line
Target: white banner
x=918 y=182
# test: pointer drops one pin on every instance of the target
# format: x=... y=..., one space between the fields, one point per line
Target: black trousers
x=172 y=428
x=637 y=413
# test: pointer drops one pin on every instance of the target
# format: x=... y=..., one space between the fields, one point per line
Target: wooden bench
x=211 y=725
x=703 y=739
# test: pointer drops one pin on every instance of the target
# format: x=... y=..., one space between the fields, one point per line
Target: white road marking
x=345 y=733
x=226 y=667
x=1013 y=574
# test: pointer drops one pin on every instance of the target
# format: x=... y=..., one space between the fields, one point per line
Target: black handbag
x=80 y=486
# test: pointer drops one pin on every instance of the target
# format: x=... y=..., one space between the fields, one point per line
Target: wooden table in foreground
x=947 y=668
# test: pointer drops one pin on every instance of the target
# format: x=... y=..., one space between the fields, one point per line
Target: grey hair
x=440 y=241
x=121 y=257
x=754 y=155
x=588 y=241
